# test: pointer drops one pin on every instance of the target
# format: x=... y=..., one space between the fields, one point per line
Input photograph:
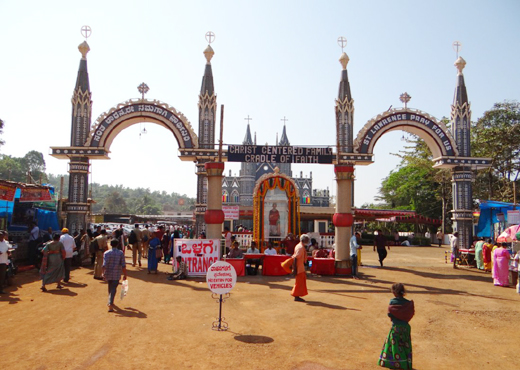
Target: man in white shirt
x=354 y=246
x=270 y=250
x=454 y=244
x=34 y=238
x=227 y=237
x=69 y=245
x=4 y=247
x=253 y=261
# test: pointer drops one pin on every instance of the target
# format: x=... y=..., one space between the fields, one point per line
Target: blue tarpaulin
x=44 y=218
x=488 y=216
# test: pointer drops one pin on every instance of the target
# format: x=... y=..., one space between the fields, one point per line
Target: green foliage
x=496 y=135
x=17 y=169
x=119 y=199
x=415 y=185
x=1 y=131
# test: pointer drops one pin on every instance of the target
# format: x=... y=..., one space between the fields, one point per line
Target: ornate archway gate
x=450 y=149
x=93 y=142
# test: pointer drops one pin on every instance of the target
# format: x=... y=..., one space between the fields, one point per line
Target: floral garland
x=271 y=182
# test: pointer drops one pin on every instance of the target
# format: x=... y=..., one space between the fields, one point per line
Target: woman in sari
x=479 y=254
x=486 y=255
x=153 y=245
x=52 y=269
x=397 y=350
x=501 y=257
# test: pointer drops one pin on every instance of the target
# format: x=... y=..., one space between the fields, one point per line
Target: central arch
x=126 y=114
x=434 y=133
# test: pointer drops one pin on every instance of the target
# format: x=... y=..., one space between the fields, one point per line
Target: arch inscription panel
x=434 y=133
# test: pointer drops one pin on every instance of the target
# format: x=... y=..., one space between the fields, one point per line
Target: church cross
x=284 y=120
x=143 y=89
x=248 y=119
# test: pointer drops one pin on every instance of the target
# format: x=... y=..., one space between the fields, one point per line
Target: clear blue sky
x=272 y=59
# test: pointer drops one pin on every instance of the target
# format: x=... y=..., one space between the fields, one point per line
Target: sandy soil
x=462 y=320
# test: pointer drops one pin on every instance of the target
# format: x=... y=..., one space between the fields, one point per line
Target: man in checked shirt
x=113 y=265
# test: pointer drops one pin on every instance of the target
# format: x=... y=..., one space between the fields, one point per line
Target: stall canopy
x=492 y=212
x=22 y=203
x=394 y=215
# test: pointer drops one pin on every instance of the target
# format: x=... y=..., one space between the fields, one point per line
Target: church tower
x=77 y=205
x=247 y=175
x=462 y=213
x=284 y=141
x=207 y=114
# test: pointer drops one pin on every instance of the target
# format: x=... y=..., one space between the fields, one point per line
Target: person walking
x=113 y=265
x=479 y=256
x=153 y=246
x=135 y=240
x=381 y=245
x=52 y=270
x=144 y=241
x=354 y=246
x=70 y=245
x=4 y=248
x=439 y=237
x=501 y=257
x=34 y=240
x=299 y=257
x=454 y=244
x=102 y=246
x=397 y=349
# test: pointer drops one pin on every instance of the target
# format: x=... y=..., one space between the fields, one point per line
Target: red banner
x=35 y=195
x=7 y=192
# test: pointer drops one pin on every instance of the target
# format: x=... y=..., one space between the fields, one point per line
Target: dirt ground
x=462 y=320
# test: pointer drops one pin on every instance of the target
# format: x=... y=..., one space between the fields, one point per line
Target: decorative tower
x=462 y=213
x=284 y=141
x=343 y=218
x=77 y=206
x=344 y=110
x=247 y=174
x=207 y=114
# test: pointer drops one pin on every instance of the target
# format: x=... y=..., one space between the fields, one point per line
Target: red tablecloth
x=239 y=264
x=273 y=265
x=323 y=266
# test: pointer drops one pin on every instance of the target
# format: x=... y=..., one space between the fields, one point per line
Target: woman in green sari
x=397 y=350
x=52 y=270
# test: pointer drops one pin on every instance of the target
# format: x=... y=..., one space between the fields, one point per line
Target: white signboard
x=221 y=277
x=231 y=212
x=198 y=254
x=513 y=217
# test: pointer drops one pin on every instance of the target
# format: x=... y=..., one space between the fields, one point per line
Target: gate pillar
x=343 y=218
x=214 y=216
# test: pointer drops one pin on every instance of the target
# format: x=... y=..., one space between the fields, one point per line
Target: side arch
x=111 y=123
x=434 y=133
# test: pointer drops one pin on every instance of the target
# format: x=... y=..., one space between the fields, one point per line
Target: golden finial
x=276 y=170
x=460 y=64
x=208 y=53
x=344 y=60
x=84 y=49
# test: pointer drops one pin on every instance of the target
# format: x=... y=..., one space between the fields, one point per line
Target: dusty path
x=462 y=321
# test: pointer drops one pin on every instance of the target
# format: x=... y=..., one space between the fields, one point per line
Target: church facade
x=238 y=189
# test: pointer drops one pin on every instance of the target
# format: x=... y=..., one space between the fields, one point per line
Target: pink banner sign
x=198 y=254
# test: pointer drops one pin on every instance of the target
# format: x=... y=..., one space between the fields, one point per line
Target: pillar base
x=343 y=268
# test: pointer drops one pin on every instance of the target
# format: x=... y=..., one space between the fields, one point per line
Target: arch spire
x=344 y=107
